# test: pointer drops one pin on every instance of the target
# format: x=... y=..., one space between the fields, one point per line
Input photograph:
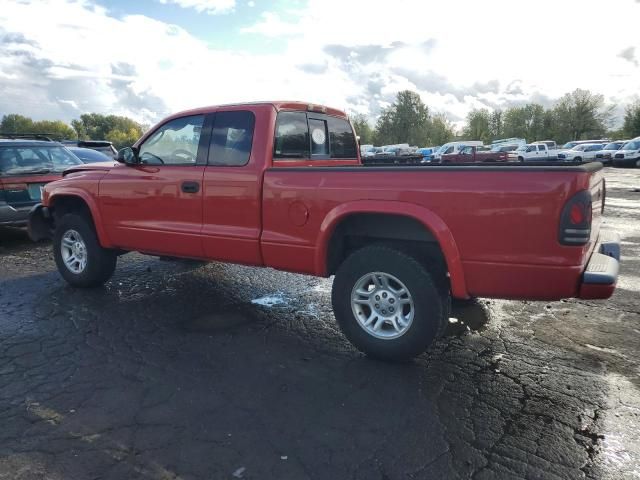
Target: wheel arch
x=430 y=228
x=75 y=200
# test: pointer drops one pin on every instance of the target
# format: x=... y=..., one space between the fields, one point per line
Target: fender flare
x=90 y=201
x=428 y=219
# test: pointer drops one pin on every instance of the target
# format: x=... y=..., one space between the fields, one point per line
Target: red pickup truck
x=470 y=154
x=281 y=185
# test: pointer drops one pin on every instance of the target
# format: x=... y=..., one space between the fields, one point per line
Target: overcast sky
x=148 y=58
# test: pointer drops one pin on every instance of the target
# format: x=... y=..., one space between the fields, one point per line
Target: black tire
x=521 y=159
x=430 y=302
x=577 y=159
x=100 y=262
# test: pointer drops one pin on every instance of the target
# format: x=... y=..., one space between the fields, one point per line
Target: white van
x=455 y=147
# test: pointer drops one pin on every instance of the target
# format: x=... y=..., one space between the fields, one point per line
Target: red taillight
x=575 y=220
x=577 y=214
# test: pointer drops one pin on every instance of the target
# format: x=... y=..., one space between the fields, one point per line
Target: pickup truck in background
x=281 y=185
x=535 y=152
x=471 y=154
x=585 y=152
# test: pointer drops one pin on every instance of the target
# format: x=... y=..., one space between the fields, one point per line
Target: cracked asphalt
x=173 y=371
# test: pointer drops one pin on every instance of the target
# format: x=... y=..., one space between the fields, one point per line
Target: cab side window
x=292 y=135
x=174 y=143
x=341 y=138
x=231 y=138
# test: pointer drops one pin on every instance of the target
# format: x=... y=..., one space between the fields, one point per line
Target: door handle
x=190 y=187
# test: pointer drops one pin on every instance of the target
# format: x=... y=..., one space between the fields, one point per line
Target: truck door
x=156 y=205
x=232 y=186
x=542 y=151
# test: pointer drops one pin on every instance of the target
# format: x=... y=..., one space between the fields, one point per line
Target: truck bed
x=499 y=220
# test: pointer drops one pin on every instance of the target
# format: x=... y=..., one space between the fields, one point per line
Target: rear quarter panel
x=504 y=222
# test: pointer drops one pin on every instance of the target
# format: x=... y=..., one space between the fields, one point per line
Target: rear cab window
x=314 y=138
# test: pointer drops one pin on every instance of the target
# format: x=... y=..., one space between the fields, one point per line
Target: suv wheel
x=81 y=260
x=387 y=304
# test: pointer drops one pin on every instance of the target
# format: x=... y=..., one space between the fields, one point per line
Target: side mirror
x=128 y=156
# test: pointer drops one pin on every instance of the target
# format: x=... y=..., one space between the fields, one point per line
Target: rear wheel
x=577 y=159
x=81 y=260
x=387 y=304
x=521 y=159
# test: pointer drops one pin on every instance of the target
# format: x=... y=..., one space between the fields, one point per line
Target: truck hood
x=87 y=167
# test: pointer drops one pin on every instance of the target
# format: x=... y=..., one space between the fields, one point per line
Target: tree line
x=121 y=131
x=578 y=115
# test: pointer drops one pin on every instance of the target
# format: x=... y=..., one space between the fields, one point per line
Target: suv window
x=449 y=150
x=231 y=138
x=542 y=148
x=292 y=135
x=37 y=159
x=174 y=143
x=341 y=138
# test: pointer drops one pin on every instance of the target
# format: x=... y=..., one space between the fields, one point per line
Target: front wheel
x=81 y=260
x=387 y=304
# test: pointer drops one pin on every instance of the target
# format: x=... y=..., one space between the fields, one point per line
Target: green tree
x=478 y=125
x=580 y=115
x=631 y=126
x=496 y=124
x=14 y=123
x=526 y=122
x=363 y=128
x=405 y=121
x=122 y=131
x=440 y=130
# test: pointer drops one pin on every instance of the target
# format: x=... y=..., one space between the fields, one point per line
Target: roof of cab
x=278 y=105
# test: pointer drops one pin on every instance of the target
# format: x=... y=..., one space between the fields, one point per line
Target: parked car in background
x=454 y=147
x=570 y=145
x=497 y=144
x=531 y=152
x=606 y=154
x=505 y=148
x=367 y=150
x=88 y=155
x=584 y=152
x=26 y=166
x=427 y=153
x=103 y=146
x=628 y=155
x=471 y=154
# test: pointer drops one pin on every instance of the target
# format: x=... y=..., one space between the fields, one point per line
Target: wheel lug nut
x=384 y=295
x=391 y=309
x=384 y=312
x=378 y=297
x=391 y=300
x=377 y=305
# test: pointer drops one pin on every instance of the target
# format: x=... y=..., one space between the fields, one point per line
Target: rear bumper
x=601 y=275
x=14 y=217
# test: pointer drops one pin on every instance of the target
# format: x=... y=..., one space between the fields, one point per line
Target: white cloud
x=212 y=7
x=61 y=58
x=251 y=3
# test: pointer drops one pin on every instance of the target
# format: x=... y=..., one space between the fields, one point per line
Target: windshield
x=632 y=145
x=613 y=146
x=569 y=145
x=36 y=159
